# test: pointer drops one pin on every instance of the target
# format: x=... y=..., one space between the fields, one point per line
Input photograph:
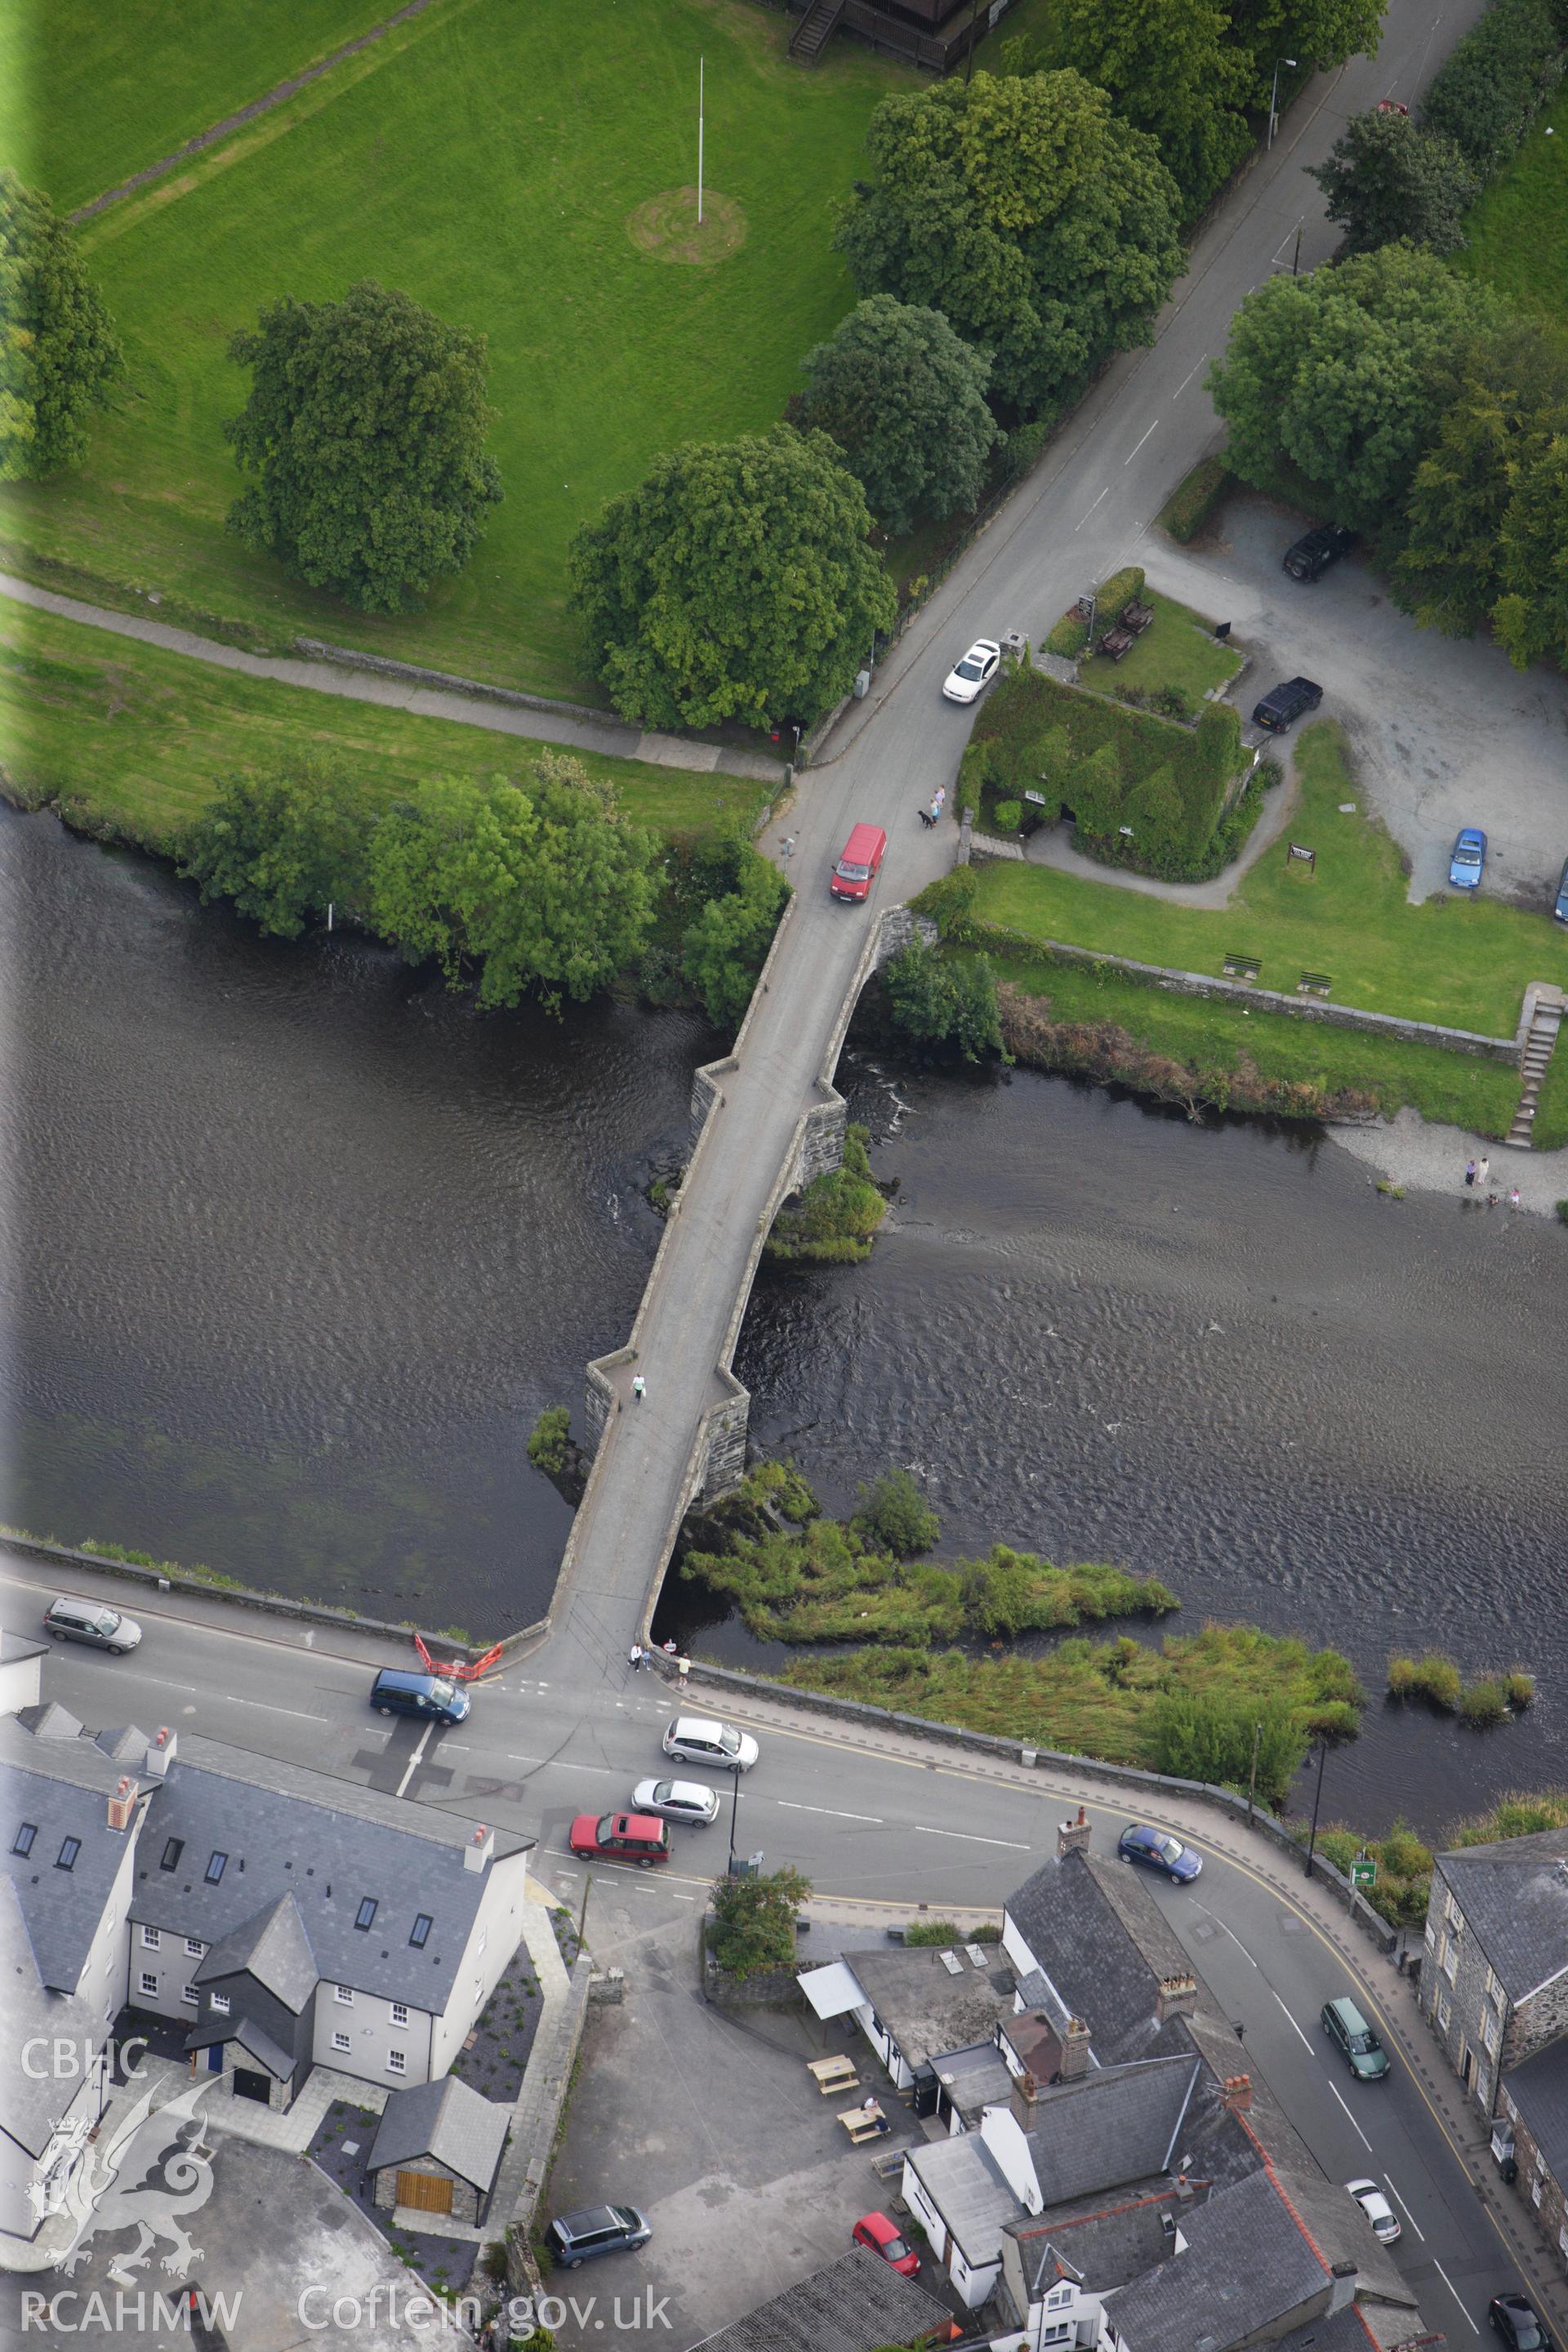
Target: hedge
x=1494 y=83
x=1194 y=498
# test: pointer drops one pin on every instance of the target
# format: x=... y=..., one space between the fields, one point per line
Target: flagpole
x=700 y=66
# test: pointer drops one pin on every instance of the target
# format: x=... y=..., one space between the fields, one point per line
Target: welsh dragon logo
x=148 y=2174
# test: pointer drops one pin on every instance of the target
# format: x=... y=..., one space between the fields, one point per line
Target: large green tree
x=1173 y=70
x=737 y=581
x=1041 y=225
x=726 y=942
x=532 y=885
x=1493 y=82
x=364 y=437
x=1386 y=178
x=905 y=401
x=59 y=354
x=1321 y=33
x=279 y=845
x=1531 y=616
x=1333 y=383
x=943 y=999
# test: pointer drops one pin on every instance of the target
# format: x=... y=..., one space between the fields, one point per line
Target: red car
x=857 y=870
x=641 y=1838
x=884 y=2238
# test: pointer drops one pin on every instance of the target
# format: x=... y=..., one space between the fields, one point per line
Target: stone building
x=438 y=2150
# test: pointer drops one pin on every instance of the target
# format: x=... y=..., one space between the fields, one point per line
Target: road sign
x=1364 y=1873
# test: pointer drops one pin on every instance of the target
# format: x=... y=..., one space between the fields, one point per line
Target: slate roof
x=1100 y=1946
x=929 y=2010
x=62 y=1784
x=448 y=2120
x=34 y=2099
x=1515 y=1902
x=1118 y=2124
x=1247 y=2260
x=13 y=1647
x=854 y=2305
x=251 y=2037
x=1539 y=2089
x=273 y=1947
x=1342 y=2333
x=969 y=2189
x=974 y=2079
x=1104 y=2243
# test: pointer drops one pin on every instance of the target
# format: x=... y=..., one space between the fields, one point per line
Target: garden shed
x=438 y=2150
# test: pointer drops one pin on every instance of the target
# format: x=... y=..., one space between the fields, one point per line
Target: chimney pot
x=480 y=1849
x=161 y=1754
x=1072 y=1836
x=122 y=1804
x=1075 y=2050
x=1177 y=1996
x=1237 y=2094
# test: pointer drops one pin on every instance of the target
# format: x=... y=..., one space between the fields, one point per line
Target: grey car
x=1560 y=903
x=70 y=1619
x=676 y=1801
x=575 y=2238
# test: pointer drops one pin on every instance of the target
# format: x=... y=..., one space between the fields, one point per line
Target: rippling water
x=308 y=1245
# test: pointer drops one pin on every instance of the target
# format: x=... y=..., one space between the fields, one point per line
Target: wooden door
x=424 y=2192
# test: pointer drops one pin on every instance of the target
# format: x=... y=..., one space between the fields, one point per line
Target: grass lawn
x=1174 y=650
x=1463 y=962
x=487 y=158
x=1518 y=233
x=134 y=740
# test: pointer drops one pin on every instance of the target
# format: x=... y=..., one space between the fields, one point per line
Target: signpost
x=1307 y=856
x=1363 y=1872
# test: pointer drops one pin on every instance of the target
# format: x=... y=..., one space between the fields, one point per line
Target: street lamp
x=1317 y=1800
x=1274 y=96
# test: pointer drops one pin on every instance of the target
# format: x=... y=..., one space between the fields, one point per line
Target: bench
x=834 y=2074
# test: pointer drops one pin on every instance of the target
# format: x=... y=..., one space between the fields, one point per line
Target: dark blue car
x=1469 y=859
x=1560 y=903
x=1158 y=1850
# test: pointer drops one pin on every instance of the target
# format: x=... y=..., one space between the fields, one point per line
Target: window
x=151 y=1938
x=191 y=1996
x=1490 y=2035
x=1431 y=1938
x=423 y=1923
x=195 y=1948
x=217 y=1864
x=1445 y=2012
x=399 y=2012
x=342 y=2042
x=1058 y=2298
x=366 y=1912
x=148 y=1981
x=343 y=1994
x=1448 y=1959
x=396 y=2061
x=69 y=1849
x=219 y=2003
x=484 y=1940
x=23 y=1840
x=1058 y=2333
x=170 y=1859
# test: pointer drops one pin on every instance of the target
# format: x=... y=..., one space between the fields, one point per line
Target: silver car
x=69 y=1620
x=676 y=1801
x=700 y=1739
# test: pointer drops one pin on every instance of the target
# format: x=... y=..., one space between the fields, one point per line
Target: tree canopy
x=737 y=581
x=1492 y=83
x=1386 y=178
x=364 y=433
x=726 y=943
x=1333 y=382
x=59 y=354
x=280 y=847
x=1039 y=224
x=1321 y=33
x=943 y=999
x=1173 y=71
x=905 y=401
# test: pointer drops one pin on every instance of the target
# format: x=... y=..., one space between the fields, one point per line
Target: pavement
x=1427 y=1158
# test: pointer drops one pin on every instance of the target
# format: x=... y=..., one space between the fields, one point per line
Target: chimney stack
x=1072 y=1837
x=480 y=1849
x=1023 y=2099
x=1075 y=2050
x=161 y=1754
x=1177 y=1996
x=1237 y=2096
x=121 y=1805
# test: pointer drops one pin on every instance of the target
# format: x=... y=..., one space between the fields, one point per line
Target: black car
x=1282 y=705
x=1316 y=549
x=575 y=2238
x=1516 y=2322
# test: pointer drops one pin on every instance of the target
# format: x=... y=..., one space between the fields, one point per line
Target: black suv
x=1282 y=705
x=1312 y=554
x=1517 y=2322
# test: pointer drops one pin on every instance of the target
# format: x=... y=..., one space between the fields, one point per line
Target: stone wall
x=1454 y=1994
x=465 y=2196
x=1548 y=2195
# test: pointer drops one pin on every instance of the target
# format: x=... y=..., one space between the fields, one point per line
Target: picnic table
x=864 y=2123
x=834 y=2074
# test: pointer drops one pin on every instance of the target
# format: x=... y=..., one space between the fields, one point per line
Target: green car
x=1365 y=2054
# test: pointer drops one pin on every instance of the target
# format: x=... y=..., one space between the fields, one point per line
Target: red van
x=857 y=870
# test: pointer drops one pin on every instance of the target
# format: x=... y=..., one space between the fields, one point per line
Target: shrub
x=1402 y=1852
x=1483 y=1703
x=723 y=951
x=1518 y=1687
x=1432 y=1678
x=549 y=1445
x=1069 y=637
x=753 y=1927
x=1193 y=500
x=895 y=1515
x=1521 y=1813
x=934 y=1931
x=1486 y=94
x=1118 y=590
x=975 y=770
x=1402 y=1677
x=945 y=1000
x=950 y=902
x=1007 y=816
x=1562 y=1213
x=1203 y=1736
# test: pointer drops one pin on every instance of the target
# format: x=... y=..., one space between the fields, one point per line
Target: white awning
x=833 y=1990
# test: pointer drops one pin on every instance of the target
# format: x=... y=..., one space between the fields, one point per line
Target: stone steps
x=1533 y=1062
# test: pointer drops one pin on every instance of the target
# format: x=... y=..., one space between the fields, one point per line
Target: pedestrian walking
x=1483 y=1170
x=640 y=1386
x=788 y=850
x=935 y=810
x=1513 y=1198
x=1470 y=1171
x=940 y=802
x=634 y=1657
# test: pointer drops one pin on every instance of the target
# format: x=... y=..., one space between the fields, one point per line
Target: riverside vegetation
x=1405 y=1864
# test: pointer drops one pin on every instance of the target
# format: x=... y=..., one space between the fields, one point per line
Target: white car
x=1377 y=2209
x=974 y=672
x=700 y=1739
x=676 y=1801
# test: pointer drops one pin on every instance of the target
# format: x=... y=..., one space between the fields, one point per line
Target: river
x=302 y=1247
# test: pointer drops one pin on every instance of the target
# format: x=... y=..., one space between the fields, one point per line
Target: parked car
x=971 y=677
x=1157 y=1849
x=1379 y=2212
x=1283 y=705
x=641 y=1838
x=857 y=870
x=700 y=1739
x=676 y=1801
x=1518 y=2322
x=577 y=2237
x=886 y=2237
x=69 y=1620
x=1560 y=903
x=1344 y=2023
x=1313 y=553
x=429 y=1698
x=1468 y=863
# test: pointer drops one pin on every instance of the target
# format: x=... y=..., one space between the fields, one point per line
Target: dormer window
x=1058 y=2298
x=22 y=1843
x=365 y=1915
x=69 y=1849
x=170 y=1858
x=217 y=1864
x=423 y=1923
x=219 y=2003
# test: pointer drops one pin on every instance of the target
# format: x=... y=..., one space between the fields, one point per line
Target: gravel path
x=1430 y=1158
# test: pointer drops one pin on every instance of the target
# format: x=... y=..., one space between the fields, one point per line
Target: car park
x=1560 y=903
x=972 y=675
x=676 y=1801
x=1467 y=859
x=1518 y=2322
x=641 y=1838
x=858 y=867
x=101 y=1628
x=1312 y=554
x=1344 y=2023
x=1379 y=2212
x=701 y=1739
x=1284 y=704
x=884 y=2238
x=577 y=2237
x=1157 y=1849
x=428 y=1698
